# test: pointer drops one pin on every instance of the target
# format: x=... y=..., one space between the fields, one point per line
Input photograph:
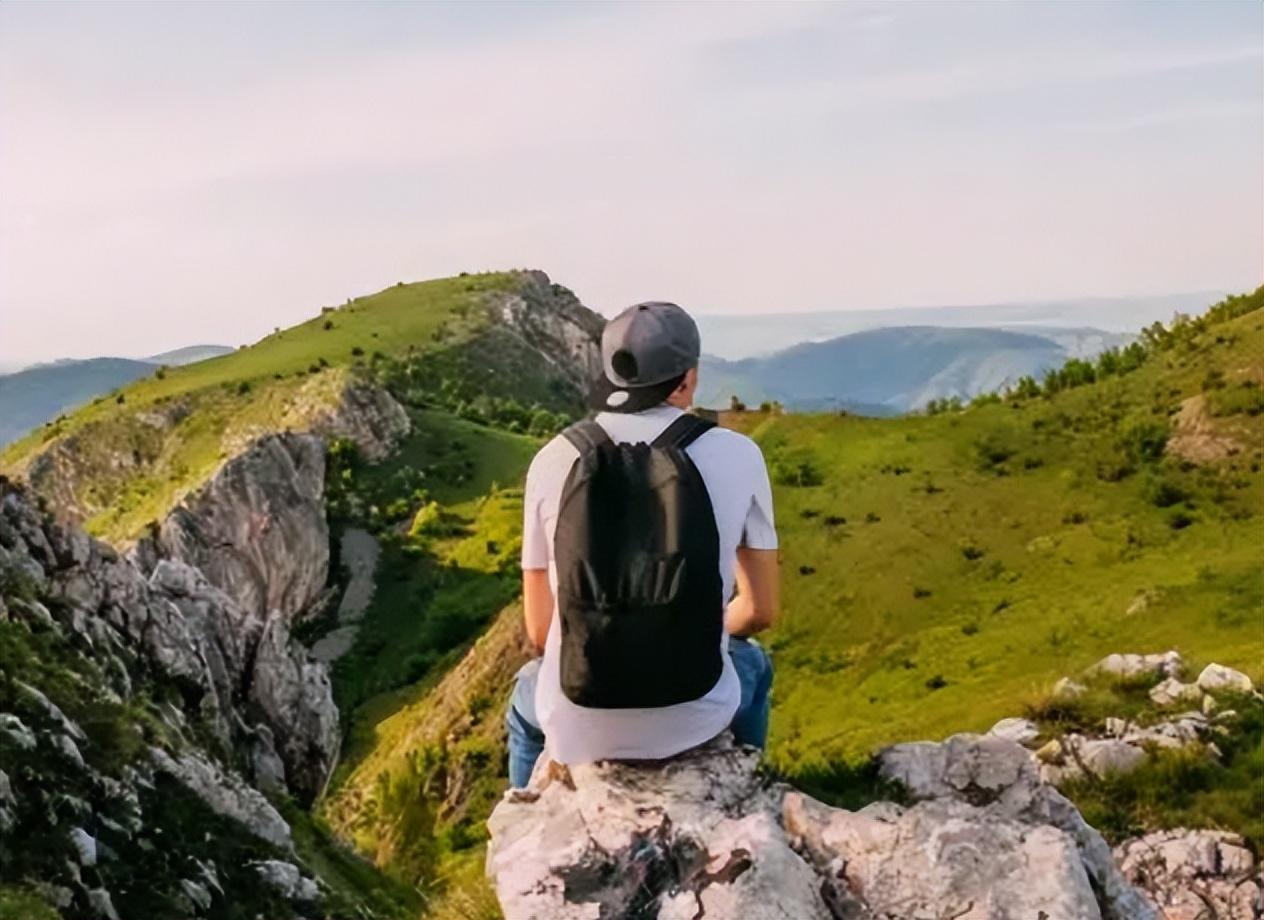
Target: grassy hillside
x=941 y=570
x=124 y=460
x=32 y=396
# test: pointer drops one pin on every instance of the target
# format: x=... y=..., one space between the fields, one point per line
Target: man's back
x=733 y=470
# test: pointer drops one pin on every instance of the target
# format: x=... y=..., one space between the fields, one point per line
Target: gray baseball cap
x=645 y=351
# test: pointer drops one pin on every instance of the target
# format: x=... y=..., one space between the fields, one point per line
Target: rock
x=1209 y=705
x=257 y=529
x=225 y=794
x=1020 y=731
x=703 y=836
x=85 y=845
x=286 y=880
x=1066 y=688
x=696 y=834
x=294 y=693
x=15 y=734
x=1217 y=677
x=367 y=415
x=1167 y=664
x=101 y=905
x=198 y=894
x=1172 y=691
x=1195 y=875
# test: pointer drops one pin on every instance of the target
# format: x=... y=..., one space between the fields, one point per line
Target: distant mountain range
x=33 y=395
x=734 y=337
x=893 y=370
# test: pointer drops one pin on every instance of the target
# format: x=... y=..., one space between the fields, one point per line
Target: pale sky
x=183 y=173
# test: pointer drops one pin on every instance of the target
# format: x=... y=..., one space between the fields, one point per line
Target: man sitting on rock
x=639 y=524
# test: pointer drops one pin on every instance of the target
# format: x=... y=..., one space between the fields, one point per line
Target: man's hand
x=537 y=606
x=758 y=599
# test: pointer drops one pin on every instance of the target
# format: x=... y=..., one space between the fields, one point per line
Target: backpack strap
x=586 y=435
x=683 y=432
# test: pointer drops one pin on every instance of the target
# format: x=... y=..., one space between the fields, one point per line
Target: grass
x=946 y=568
x=23 y=904
x=129 y=457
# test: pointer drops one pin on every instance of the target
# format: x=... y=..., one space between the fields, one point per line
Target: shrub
x=1179 y=520
x=938 y=682
x=327 y=325
x=1143 y=441
x=796 y=468
x=1247 y=398
x=357 y=352
x=120 y=399
x=1163 y=493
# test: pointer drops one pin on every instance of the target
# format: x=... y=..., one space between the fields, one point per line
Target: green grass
x=23 y=904
x=129 y=457
x=963 y=562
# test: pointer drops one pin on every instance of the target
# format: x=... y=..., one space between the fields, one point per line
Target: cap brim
x=605 y=396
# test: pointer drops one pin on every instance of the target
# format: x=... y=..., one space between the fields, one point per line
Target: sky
x=185 y=173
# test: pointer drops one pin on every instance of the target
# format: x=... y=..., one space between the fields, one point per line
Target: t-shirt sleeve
x=535 y=541
x=760 y=531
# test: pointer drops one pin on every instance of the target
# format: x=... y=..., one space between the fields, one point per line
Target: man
x=647 y=650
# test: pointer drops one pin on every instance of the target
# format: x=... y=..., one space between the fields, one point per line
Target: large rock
x=703 y=836
x=1195 y=875
x=257 y=529
x=1127 y=666
x=699 y=835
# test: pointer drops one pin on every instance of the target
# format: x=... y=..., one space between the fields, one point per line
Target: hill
x=737 y=336
x=892 y=370
x=189 y=354
x=31 y=396
x=488 y=347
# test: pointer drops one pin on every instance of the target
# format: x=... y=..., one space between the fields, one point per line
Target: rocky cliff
x=133 y=712
x=976 y=835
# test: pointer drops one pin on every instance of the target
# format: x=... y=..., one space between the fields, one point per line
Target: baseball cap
x=645 y=352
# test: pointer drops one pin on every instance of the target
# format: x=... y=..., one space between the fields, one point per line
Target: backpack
x=639 y=594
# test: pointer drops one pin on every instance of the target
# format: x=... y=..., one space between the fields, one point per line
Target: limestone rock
x=1166 y=664
x=1066 y=688
x=703 y=836
x=1020 y=731
x=287 y=880
x=1195 y=875
x=1172 y=691
x=1217 y=677
x=225 y=794
x=367 y=415
x=257 y=529
x=294 y=693
x=696 y=835
x=85 y=845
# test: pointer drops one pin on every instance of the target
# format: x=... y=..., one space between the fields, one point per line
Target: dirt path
x=359 y=558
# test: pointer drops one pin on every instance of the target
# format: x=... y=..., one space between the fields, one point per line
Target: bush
x=796 y=468
x=327 y=325
x=1247 y=398
x=1163 y=493
x=1143 y=441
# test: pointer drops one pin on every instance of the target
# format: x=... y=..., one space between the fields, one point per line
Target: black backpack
x=639 y=594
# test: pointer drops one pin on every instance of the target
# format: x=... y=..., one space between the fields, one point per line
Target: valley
x=942 y=570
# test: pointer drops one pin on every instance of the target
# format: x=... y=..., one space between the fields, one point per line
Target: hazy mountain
x=737 y=336
x=887 y=371
x=190 y=354
x=32 y=396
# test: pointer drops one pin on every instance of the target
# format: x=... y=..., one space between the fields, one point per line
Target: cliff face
x=551 y=320
x=133 y=710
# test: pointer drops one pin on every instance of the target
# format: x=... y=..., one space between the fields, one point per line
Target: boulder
x=1172 y=691
x=703 y=835
x=1020 y=731
x=1217 y=677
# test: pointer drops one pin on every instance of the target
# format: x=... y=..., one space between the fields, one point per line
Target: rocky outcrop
x=367 y=415
x=1195 y=875
x=703 y=835
x=552 y=321
x=257 y=529
x=239 y=672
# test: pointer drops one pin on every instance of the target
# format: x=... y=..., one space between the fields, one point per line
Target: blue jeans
x=749 y=725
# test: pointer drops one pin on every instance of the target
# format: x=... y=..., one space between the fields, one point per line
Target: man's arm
x=537 y=605
x=758 y=599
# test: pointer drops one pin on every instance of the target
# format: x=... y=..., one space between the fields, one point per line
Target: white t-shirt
x=737 y=482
